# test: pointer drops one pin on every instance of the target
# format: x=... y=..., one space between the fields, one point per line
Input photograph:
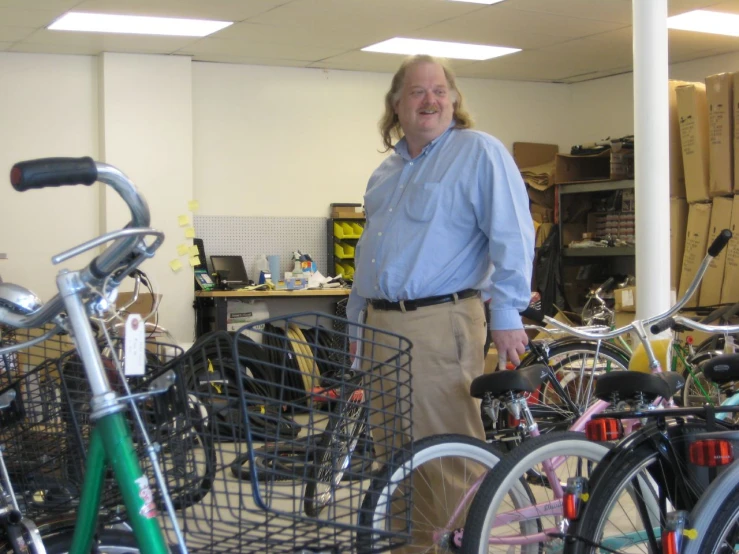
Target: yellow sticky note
x=190 y=233
x=193 y=250
x=193 y=205
x=183 y=220
x=194 y=260
x=182 y=249
x=175 y=265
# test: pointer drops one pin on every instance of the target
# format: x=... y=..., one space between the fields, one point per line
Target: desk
x=212 y=306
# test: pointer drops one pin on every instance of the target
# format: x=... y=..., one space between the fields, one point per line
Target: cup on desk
x=274 y=267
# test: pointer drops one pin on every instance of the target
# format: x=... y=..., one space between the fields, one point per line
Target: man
x=447 y=224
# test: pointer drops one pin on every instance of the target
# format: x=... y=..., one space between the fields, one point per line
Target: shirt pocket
x=424 y=200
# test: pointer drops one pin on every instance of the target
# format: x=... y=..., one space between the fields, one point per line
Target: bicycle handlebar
x=719 y=243
x=697 y=326
x=128 y=248
x=605 y=286
x=53 y=172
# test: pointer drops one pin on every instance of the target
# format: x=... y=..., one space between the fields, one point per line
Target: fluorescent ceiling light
x=478 y=1
x=459 y=50
x=705 y=21
x=137 y=25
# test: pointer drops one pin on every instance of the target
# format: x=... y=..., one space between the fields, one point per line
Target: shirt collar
x=401 y=148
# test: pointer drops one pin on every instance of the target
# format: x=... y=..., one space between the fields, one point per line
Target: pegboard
x=252 y=236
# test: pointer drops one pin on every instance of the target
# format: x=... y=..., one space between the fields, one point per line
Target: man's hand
x=510 y=343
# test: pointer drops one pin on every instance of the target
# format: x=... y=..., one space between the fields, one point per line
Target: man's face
x=425 y=107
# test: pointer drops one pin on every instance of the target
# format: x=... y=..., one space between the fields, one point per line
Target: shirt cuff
x=504 y=320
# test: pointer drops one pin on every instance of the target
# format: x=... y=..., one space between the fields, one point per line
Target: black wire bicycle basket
x=303 y=438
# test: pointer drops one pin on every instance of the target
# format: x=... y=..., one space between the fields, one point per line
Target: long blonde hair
x=389 y=123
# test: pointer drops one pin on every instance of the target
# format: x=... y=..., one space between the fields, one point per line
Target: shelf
x=598 y=252
x=599 y=186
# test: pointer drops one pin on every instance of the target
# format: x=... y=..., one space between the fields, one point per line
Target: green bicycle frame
x=111 y=445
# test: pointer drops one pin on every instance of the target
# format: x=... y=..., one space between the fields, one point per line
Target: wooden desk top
x=271 y=293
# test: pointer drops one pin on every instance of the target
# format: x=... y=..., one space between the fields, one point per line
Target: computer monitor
x=231 y=270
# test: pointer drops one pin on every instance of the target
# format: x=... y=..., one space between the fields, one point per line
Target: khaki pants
x=447 y=355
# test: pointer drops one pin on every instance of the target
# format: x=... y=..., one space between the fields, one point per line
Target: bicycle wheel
x=496 y=524
x=334 y=453
x=436 y=516
x=718 y=525
x=108 y=541
x=624 y=512
x=698 y=391
x=576 y=368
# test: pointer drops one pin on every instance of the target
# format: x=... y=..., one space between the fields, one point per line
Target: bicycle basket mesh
x=296 y=438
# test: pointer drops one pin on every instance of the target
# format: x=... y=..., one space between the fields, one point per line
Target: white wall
x=288 y=142
x=146 y=131
x=48 y=107
x=605 y=107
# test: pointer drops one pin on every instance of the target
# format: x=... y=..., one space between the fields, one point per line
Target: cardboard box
x=625 y=299
x=143 y=306
x=531 y=154
x=578 y=169
x=721 y=133
x=730 y=288
x=696 y=242
x=735 y=86
x=678 y=227
x=692 y=109
x=714 y=277
x=677 y=173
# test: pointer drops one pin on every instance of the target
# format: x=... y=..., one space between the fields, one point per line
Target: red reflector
x=669 y=543
x=15 y=175
x=711 y=453
x=570 y=506
x=604 y=429
x=689 y=339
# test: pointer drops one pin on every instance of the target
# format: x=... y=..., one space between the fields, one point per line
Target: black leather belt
x=410 y=305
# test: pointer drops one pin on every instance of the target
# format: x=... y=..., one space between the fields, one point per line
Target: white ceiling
x=561 y=40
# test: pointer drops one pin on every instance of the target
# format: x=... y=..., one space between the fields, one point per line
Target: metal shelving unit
x=598 y=252
x=595 y=186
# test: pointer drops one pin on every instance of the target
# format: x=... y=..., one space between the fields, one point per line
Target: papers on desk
x=319 y=281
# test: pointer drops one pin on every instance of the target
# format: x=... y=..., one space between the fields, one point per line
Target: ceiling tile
x=36 y=48
x=5 y=46
x=12 y=34
x=675 y=7
x=342 y=38
x=105 y=42
x=729 y=7
x=373 y=61
x=220 y=58
x=618 y=11
x=61 y=5
x=224 y=10
x=28 y=18
x=259 y=50
x=394 y=15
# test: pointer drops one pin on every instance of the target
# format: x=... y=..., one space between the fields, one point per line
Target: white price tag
x=135 y=344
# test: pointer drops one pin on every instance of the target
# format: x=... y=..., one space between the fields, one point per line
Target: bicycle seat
x=527 y=379
x=18 y=299
x=628 y=384
x=722 y=369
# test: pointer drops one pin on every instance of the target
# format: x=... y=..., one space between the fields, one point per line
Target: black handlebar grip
x=719 y=242
x=534 y=315
x=663 y=325
x=53 y=172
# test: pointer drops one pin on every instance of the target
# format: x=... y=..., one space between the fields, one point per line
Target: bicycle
x=540 y=457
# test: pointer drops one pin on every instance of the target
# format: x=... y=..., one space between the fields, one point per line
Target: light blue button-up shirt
x=436 y=223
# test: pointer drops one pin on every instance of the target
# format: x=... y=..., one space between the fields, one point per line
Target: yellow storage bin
x=343 y=250
x=357 y=229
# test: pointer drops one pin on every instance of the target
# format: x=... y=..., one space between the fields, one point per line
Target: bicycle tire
x=718 y=516
x=646 y=463
x=376 y=514
x=334 y=453
x=108 y=541
x=517 y=465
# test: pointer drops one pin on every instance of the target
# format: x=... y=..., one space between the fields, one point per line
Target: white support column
x=651 y=157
